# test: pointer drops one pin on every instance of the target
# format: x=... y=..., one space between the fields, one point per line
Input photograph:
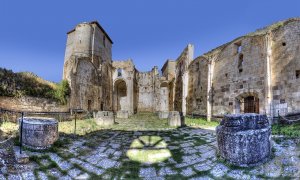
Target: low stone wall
x=175 y=119
x=244 y=139
x=31 y=104
x=104 y=118
x=122 y=114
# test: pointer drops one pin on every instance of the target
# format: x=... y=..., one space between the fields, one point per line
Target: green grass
x=292 y=130
x=83 y=127
x=143 y=122
x=201 y=122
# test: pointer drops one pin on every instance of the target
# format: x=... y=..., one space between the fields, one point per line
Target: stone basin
x=244 y=139
x=39 y=132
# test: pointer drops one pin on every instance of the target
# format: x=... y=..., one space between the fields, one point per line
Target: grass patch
x=292 y=130
x=83 y=127
x=142 y=122
x=199 y=142
x=177 y=155
x=201 y=122
x=8 y=129
x=130 y=170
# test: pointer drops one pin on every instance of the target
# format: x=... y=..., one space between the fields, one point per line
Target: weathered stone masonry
x=258 y=72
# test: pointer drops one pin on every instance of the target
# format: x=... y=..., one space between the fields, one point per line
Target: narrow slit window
x=297 y=74
x=240 y=64
x=104 y=40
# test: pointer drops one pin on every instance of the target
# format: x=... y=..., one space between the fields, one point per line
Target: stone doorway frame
x=239 y=102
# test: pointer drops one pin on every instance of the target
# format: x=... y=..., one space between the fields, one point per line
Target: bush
x=62 y=92
x=292 y=130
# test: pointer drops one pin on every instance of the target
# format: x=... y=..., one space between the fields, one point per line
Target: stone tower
x=87 y=67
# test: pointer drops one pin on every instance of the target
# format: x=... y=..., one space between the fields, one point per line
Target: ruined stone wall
x=197 y=96
x=181 y=78
x=85 y=86
x=31 y=104
x=168 y=69
x=285 y=62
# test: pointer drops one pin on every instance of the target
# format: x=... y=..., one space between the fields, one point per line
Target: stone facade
x=258 y=72
x=255 y=73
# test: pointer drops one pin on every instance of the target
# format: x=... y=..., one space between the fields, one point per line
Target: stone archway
x=247 y=102
x=120 y=95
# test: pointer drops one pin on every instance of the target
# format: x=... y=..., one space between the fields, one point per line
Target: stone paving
x=103 y=155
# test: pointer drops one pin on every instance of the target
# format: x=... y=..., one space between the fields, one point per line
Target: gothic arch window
x=119 y=72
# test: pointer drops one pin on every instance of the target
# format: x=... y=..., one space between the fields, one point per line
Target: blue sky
x=33 y=32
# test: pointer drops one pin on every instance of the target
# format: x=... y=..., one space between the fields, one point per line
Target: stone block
x=104 y=118
x=122 y=114
x=244 y=139
x=163 y=114
x=176 y=119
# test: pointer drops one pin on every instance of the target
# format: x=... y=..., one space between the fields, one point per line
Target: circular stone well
x=39 y=132
x=244 y=139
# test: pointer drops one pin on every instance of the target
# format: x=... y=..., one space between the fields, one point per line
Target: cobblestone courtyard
x=183 y=153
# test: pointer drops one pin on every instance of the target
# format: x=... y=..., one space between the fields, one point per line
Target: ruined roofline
x=259 y=32
x=99 y=26
x=166 y=63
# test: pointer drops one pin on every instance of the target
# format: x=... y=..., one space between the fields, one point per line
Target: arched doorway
x=120 y=95
x=247 y=103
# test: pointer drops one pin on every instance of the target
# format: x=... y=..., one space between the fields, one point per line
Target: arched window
x=119 y=72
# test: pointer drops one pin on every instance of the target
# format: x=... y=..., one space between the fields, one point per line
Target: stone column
x=209 y=89
x=185 y=81
x=268 y=81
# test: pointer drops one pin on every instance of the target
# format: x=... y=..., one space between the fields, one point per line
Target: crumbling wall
x=181 y=78
x=85 y=86
x=148 y=90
